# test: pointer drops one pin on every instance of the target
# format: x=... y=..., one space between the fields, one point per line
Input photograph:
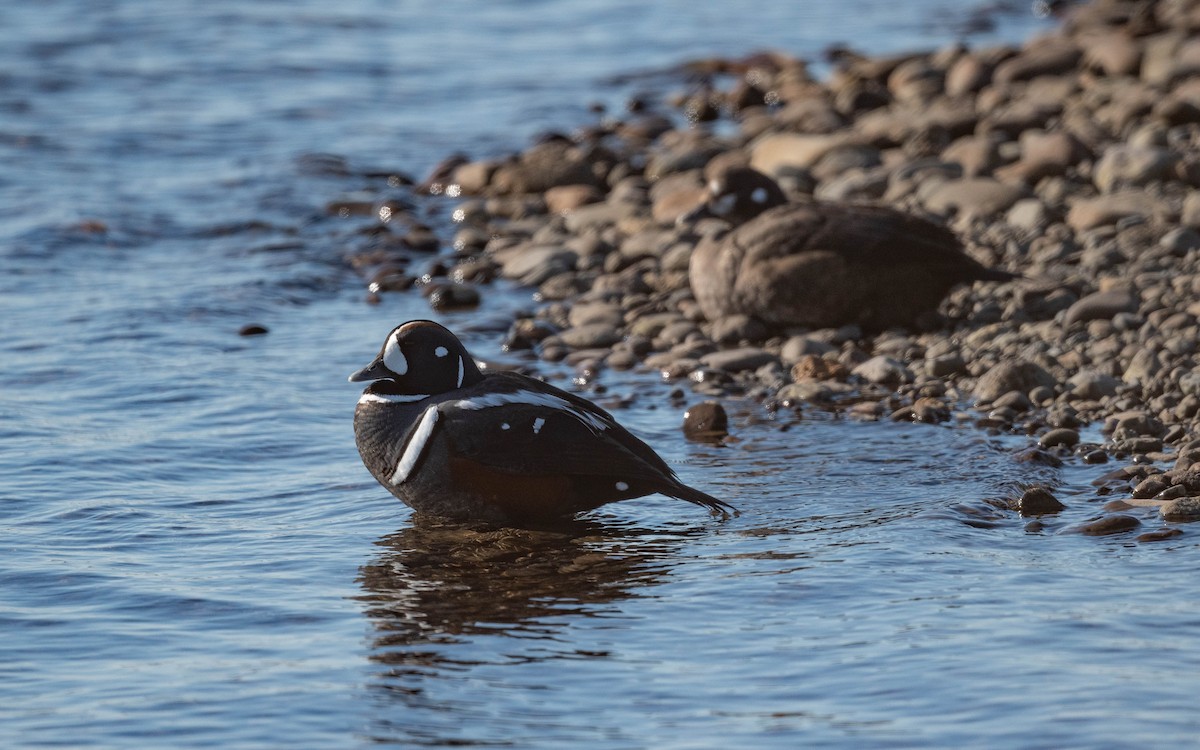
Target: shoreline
x=1070 y=160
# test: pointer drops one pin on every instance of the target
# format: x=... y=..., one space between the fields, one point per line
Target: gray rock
x=731 y=329
x=945 y=365
x=736 y=360
x=1135 y=423
x=590 y=336
x=884 y=370
x=1143 y=367
x=1009 y=375
x=533 y=265
x=1128 y=166
x=1063 y=436
x=797 y=347
x=587 y=313
x=1101 y=306
x=778 y=152
x=1191 y=210
x=1092 y=384
x=1088 y=213
x=1180 y=240
x=1183 y=509
x=1028 y=214
x=1047 y=56
x=971 y=196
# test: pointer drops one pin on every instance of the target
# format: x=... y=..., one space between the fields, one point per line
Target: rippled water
x=193 y=555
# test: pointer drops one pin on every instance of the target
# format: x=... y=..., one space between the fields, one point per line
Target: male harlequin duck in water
x=450 y=441
x=818 y=264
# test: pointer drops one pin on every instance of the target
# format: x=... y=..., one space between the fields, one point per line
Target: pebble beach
x=1070 y=160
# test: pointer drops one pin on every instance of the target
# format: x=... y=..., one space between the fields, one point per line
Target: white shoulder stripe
x=532 y=398
x=415 y=447
x=392 y=398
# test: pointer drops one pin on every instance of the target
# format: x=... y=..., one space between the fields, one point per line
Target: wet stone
x=1158 y=535
x=453 y=297
x=945 y=365
x=706 y=421
x=1038 y=501
x=1182 y=510
x=590 y=336
x=737 y=360
x=1150 y=486
x=252 y=329
x=1101 y=306
x=1011 y=375
x=884 y=370
x=1115 y=524
x=732 y=329
x=1060 y=436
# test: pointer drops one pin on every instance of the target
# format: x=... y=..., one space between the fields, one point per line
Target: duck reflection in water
x=441 y=582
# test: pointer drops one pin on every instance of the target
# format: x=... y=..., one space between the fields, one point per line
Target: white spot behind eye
x=441 y=351
x=393 y=358
x=622 y=486
x=504 y=425
x=715 y=187
x=759 y=195
x=537 y=425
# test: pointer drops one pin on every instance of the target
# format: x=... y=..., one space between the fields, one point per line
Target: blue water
x=191 y=554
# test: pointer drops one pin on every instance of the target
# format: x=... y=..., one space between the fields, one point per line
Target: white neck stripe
x=415 y=447
x=392 y=398
x=460 y=371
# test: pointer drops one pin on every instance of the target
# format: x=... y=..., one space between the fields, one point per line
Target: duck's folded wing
x=543 y=436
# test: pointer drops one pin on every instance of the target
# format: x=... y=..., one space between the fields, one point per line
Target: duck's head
x=420 y=357
x=737 y=195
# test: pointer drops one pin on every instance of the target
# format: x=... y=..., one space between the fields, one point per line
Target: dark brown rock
x=1115 y=524
x=1038 y=501
x=706 y=422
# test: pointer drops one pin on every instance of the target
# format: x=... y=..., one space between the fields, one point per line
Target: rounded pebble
x=706 y=422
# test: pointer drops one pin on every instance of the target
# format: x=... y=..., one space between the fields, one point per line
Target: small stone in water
x=1183 y=509
x=1037 y=501
x=252 y=329
x=706 y=421
x=1109 y=525
x=1060 y=436
x=1158 y=535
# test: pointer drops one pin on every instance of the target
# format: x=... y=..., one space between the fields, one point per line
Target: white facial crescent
x=393 y=357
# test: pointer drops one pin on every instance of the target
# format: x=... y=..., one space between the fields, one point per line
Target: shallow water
x=193 y=555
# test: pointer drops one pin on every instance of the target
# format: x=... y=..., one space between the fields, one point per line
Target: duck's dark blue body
x=450 y=441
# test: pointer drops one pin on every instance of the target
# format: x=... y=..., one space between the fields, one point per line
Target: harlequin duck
x=450 y=441
x=818 y=264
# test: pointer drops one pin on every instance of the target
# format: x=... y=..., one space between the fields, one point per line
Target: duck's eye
x=393 y=358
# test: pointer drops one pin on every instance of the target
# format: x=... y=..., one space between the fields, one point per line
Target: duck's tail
x=681 y=491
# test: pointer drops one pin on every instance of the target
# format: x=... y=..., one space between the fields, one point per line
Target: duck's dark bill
x=373 y=371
